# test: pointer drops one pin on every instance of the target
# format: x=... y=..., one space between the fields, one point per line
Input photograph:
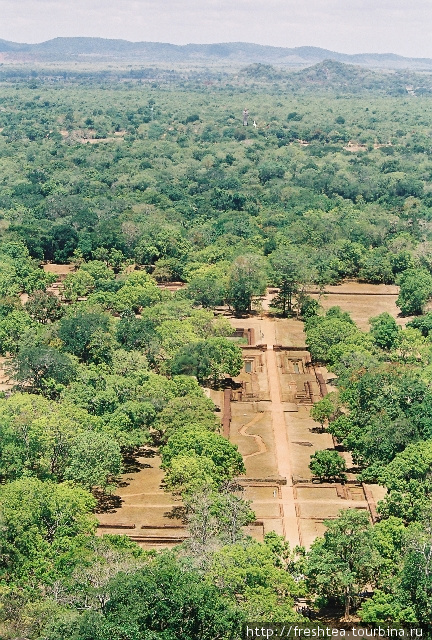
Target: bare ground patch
x=362 y=301
x=141 y=509
x=277 y=436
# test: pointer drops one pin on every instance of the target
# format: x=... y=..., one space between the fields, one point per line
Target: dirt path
x=276 y=436
x=283 y=456
x=258 y=440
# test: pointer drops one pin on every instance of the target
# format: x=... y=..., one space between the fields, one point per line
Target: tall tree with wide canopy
x=290 y=273
x=247 y=278
x=344 y=561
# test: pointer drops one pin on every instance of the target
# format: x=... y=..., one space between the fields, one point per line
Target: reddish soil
x=355 y=146
x=273 y=429
x=59 y=269
x=141 y=508
x=362 y=301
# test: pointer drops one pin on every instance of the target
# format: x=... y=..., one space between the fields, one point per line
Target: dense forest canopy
x=170 y=178
x=139 y=177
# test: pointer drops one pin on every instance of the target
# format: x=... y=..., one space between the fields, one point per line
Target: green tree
x=408 y=478
x=247 y=278
x=189 y=409
x=269 y=170
x=390 y=537
x=290 y=274
x=129 y=424
x=138 y=334
x=209 y=359
x=350 y=255
x=94 y=461
x=12 y=329
x=207 y=286
x=384 y=330
x=188 y=474
x=260 y=577
x=36 y=366
x=390 y=407
x=18 y=273
x=164 y=600
x=328 y=465
x=344 y=561
x=416 y=575
x=422 y=323
x=324 y=409
x=411 y=346
x=232 y=514
x=308 y=307
x=134 y=297
x=44 y=307
x=78 y=285
x=406 y=594
x=382 y=608
x=175 y=335
x=222 y=357
x=376 y=267
x=36 y=435
x=194 y=441
x=86 y=335
x=8 y=304
x=324 y=333
x=415 y=291
x=341 y=427
x=36 y=514
x=103 y=276
x=207 y=325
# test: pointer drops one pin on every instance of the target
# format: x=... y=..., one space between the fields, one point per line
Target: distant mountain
x=333 y=73
x=97 y=49
x=330 y=75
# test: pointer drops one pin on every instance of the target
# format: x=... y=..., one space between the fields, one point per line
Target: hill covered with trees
x=66 y=49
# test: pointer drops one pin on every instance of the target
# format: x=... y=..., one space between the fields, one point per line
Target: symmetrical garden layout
x=271 y=425
x=267 y=417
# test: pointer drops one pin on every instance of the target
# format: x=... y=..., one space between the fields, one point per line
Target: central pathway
x=289 y=516
x=283 y=458
x=285 y=436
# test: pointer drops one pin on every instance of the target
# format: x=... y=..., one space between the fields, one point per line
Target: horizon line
x=204 y=44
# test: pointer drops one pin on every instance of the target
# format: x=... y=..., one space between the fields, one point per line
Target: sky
x=347 y=26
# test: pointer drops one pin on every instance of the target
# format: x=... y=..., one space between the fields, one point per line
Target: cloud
x=349 y=26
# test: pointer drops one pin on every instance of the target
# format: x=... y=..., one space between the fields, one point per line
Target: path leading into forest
x=283 y=454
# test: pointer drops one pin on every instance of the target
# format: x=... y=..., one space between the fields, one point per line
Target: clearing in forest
x=271 y=425
x=276 y=436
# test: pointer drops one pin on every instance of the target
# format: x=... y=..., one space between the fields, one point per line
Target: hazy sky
x=348 y=26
